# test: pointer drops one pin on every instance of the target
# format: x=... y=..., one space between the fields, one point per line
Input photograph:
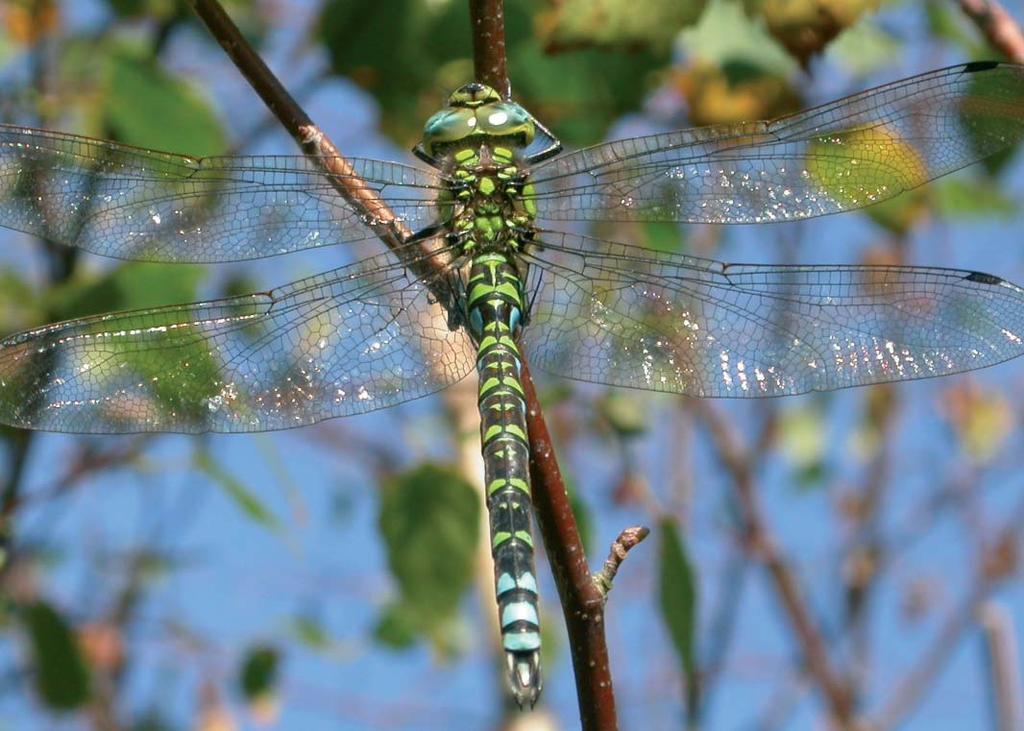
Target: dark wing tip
x=974 y=66
x=983 y=278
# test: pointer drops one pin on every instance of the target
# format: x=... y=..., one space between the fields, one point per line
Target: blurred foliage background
x=335 y=577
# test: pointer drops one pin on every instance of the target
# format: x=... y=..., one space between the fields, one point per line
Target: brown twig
x=997 y=25
x=318 y=147
x=582 y=602
x=628 y=539
x=1003 y=663
x=992 y=569
x=760 y=543
x=490 y=64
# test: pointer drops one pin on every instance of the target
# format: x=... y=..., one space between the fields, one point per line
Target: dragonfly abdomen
x=494 y=305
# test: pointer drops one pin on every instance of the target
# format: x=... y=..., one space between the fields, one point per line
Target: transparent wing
x=623 y=316
x=131 y=203
x=844 y=155
x=356 y=339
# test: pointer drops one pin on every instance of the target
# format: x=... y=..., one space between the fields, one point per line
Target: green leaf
x=311 y=633
x=988 y=112
x=726 y=33
x=238 y=492
x=259 y=672
x=623 y=23
x=802 y=439
x=965 y=198
x=864 y=47
x=624 y=413
x=135 y=286
x=147 y=107
x=399 y=626
x=581 y=512
x=61 y=676
x=397 y=49
x=430 y=521
x=678 y=594
x=130 y=286
x=19 y=302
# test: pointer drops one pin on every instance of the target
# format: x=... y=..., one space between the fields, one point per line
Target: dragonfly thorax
x=488 y=210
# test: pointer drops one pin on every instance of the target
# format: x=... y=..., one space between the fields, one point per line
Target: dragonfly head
x=472 y=95
x=477 y=111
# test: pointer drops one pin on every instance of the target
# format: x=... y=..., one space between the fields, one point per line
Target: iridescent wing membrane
x=622 y=316
x=129 y=203
x=628 y=317
x=352 y=340
x=361 y=337
x=840 y=156
x=371 y=334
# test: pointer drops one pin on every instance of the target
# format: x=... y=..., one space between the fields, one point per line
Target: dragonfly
x=490 y=272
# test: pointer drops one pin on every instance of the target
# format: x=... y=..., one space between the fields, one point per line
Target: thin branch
x=1003 y=664
x=582 y=602
x=761 y=544
x=997 y=25
x=489 y=62
x=318 y=147
x=993 y=568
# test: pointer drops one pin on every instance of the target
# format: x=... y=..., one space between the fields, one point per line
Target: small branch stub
x=621 y=546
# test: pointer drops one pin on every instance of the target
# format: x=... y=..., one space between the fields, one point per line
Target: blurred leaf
x=581 y=512
x=580 y=94
x=735 y=91
x=399 y=626
x=623 y=412
x=243 y=497
x=982 y=419
x=430 y=521
x=151 y=10
x=899 y=215
x=802 y=439
x=259 y=674
x=964 y=198
x=61 y=676
x=871 y=429
x=871 y=157
x=946 y=22
x=989 y=111
x=678 y=594
x=19 y=302
x=147 y=107
x=726 y=34
x=26 y=23
x=662 y=236
x=622 y=23
x=395 y=49
x=130 y=286
x=806 y=27
x=311 y=633
x=134 y=286
x=865 y=47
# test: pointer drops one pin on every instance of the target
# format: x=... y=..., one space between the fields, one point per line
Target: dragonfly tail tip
x=524 y=677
